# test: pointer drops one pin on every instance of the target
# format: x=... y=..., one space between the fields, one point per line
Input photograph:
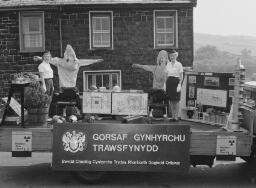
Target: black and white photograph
x=117 y=93
x=231 y=93
x=192 y=79
x=212 y=81
x=191 y=92
x=231 y=82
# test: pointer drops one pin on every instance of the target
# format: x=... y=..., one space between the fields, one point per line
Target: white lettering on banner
x=120 y=162
x=137 y=162
x=68 y=161
x=156 y=162
x=172 y=162
x=102 y=162
x=137 y=138
x=141 y=137
x=160 y=137
x=111 y=137
x=121 y=148
x=83 y=162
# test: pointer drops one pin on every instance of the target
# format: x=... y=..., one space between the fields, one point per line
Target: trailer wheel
x=88 y=177
x=252 y=157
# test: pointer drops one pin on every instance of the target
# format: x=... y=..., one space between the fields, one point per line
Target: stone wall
x=132 y=35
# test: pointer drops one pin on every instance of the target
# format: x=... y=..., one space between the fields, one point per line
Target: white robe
x=67 y=70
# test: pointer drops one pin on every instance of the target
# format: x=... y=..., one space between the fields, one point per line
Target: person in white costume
x=157 y=94
x=158 y=70
x=68 y=68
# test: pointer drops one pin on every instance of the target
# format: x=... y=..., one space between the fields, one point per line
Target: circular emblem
x=74 y=141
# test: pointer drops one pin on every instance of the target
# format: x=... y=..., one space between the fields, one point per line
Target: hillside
x=209 y=58
x=232 y=44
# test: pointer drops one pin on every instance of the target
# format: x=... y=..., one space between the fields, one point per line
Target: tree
x=246 y=52
x=206 y=52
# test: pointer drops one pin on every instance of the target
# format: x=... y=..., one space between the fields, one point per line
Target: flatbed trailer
x=202 y=149
x=204 y=142
x=203 y=138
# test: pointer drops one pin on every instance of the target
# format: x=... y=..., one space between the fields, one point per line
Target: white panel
x=21 y=141
x=97 y=102
x=129 y=103
x=226 y=145
x=212 y=97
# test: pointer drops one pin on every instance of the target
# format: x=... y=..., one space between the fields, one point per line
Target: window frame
x=21 y=32
x=166 y=13
x=100 y=13
x=101 y=72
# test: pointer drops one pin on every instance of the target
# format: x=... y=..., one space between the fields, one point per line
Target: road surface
x=36 y=172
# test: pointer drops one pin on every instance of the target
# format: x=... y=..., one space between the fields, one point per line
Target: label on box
x=226 y=145
x=21 y=144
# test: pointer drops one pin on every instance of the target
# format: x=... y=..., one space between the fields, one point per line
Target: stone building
x=122 y=32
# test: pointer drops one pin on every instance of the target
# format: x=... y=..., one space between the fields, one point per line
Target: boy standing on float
x=47 y=73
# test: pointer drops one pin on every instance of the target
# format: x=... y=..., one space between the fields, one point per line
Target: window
x=101 y=29
x=165 y=29
x=102 y=78
x=31 y=26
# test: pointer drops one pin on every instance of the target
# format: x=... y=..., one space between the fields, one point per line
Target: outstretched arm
x=85 y=62
x=37 y=58
x=150 y=68
x=54 y=61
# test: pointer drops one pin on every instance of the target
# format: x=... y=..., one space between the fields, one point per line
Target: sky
x=225 y=17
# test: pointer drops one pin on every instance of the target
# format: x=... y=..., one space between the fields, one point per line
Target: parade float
x=216 y=123
x=123 y=126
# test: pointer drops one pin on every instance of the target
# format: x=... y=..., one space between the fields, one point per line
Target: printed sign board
x=97 y=102
x=129 y=103
x=15 y=106
x=212 y=97
x=121 y=147
x=21 y=144
x=226 y=145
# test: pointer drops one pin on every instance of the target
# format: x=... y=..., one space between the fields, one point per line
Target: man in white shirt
x=174 y=71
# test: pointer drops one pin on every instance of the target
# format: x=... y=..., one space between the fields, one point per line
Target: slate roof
x=29 y=3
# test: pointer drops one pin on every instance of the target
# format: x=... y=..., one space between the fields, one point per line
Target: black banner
x=121 y=147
